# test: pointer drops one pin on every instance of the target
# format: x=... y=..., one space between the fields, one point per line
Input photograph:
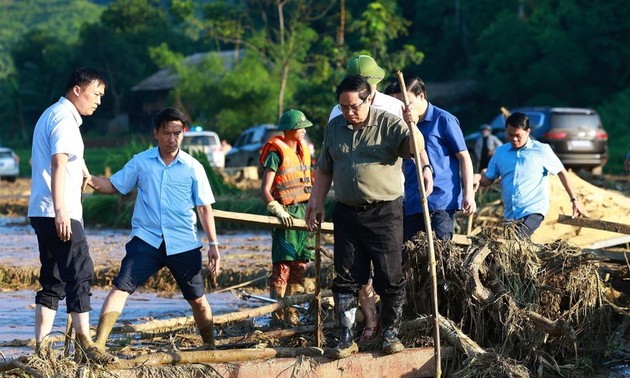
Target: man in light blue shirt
x=524 y=166
x=170 y=184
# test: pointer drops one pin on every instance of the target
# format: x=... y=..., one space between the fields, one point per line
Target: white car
x=9 y=164
x=205 y=142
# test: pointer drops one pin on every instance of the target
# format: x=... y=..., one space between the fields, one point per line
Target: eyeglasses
x=354 y=108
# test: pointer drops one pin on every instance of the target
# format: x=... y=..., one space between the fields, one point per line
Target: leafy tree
x=379 y=24
x=131 y=27
x=63 y=19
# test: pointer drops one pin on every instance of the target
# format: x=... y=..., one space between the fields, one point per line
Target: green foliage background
x=547 y=52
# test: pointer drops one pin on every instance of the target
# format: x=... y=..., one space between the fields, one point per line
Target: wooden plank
x=298 y=224
x=264 y=220
x=595 y=223
x=608 y=243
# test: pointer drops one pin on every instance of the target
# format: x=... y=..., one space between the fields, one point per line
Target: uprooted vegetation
x=534 y=309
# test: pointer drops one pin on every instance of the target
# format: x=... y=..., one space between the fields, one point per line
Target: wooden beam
x=264 y=220
x=595 y=223
x=298 y=224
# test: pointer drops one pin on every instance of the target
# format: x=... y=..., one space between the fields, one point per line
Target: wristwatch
x=430 y=168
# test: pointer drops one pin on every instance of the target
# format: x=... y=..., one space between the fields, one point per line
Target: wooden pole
x=319 y=333
x=265 y=220
x=427 y=224
x=597 y=224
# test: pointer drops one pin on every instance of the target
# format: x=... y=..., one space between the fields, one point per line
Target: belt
x=364 y=206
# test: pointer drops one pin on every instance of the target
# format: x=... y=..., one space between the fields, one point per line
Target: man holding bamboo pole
x=362 y=153
x=366 y=66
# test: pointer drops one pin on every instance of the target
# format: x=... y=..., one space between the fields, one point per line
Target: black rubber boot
x=345 y=310
x=391 y=315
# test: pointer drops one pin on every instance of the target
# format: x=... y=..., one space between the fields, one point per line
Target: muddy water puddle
x=17 y=313
x=18 y=248
x=18 y=245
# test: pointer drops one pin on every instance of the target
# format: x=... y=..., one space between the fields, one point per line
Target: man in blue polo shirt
x=170 y=184
x=524 y=166
x=449 y=159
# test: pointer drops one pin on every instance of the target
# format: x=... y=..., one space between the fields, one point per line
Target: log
x=474 y=263
x=458 y=338
x=553 y=328
x=595 y=223
x=265 y=220
x=218 y=356
x=453 y=335
x=187 y=321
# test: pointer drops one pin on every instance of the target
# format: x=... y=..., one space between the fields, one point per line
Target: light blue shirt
x=57 y=132
x=524 y=176
x=167 y=196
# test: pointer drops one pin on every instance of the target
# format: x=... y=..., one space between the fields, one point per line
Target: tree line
x=517 y=52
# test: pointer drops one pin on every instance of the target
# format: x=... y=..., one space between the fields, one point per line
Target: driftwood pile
x=533 y=310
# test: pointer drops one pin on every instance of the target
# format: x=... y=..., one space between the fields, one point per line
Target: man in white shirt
x=56 y=213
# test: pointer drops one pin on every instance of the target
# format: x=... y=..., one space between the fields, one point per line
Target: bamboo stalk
x=319 y=333
x=429 y=232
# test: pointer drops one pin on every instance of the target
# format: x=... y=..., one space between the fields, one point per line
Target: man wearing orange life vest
x=286 y=187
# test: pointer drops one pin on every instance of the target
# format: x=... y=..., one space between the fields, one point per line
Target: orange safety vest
x=293 y=182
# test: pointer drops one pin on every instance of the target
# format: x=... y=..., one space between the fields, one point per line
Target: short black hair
x=355 y=83
x=518 y=119
x=414 y=85
x=84 y=76
x=167 y=115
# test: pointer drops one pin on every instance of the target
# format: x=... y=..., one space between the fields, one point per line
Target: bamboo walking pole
x=319 y=333
x=427 y=223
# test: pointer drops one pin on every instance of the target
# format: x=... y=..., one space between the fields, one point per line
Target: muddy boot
x=291 y=315
x=277 y=317
x=207 y=335
x=86 y=350
x=345 y=310
x=391 y=315
x=105 y=326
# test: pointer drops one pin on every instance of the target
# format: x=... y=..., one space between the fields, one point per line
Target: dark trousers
x=530 y=223
x=67 y=268
x=442 y=222
x=365 y=236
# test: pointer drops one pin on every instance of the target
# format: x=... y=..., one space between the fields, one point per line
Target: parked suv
x=205 y=142
x=9 y=164
x=575 y=134
x=246 y=150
